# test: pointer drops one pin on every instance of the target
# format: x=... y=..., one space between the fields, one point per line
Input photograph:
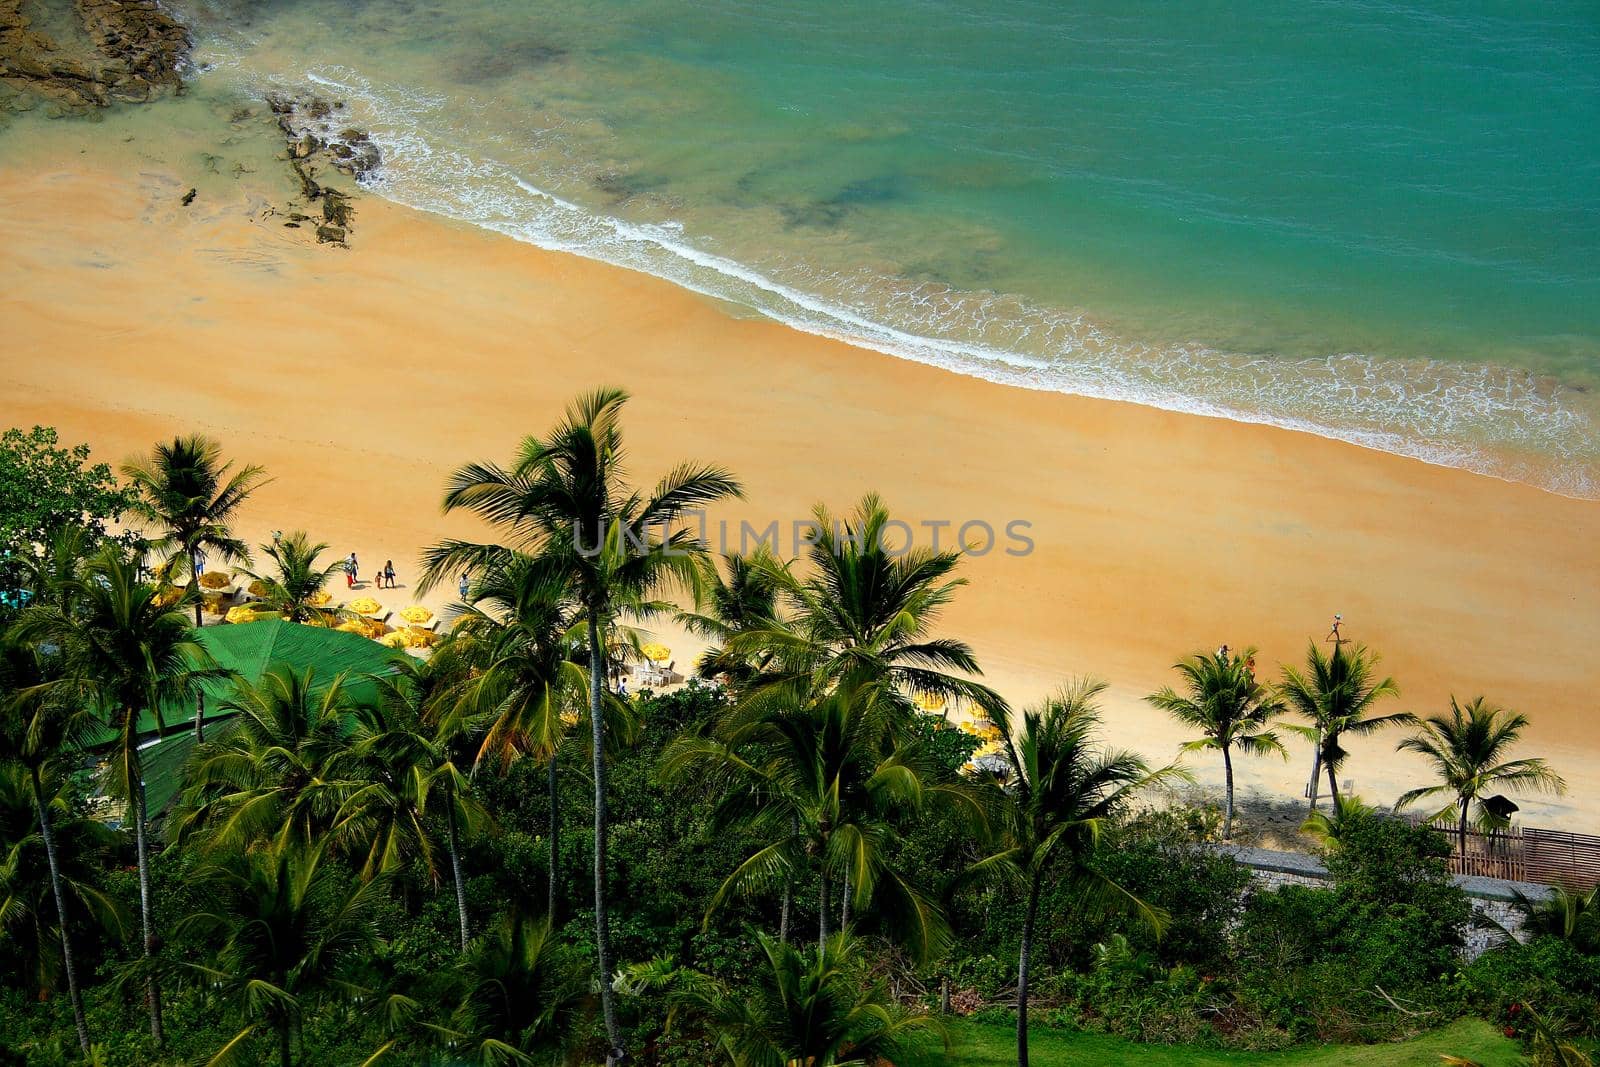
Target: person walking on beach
x=350 y=571
x=1333 y=634
x=388 y=573
x=464 y=585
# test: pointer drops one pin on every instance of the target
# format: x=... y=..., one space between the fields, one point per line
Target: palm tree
x=125 y=655
x=566 y=499
x=530 y=683
x=296 y=589
x=739 y=597
x=404 y=755
x=38 y=737
x=863 y=616
x=1337 y=693
x=286 y=925
x=522 y=991
x=822 y=789
x=1229 y=707
x=1059 y=790
x=279 y=770
x=1565 y=914
x=187 y=490
x=1330 y=829
x=1466 y=748
x=51 y=862
x=820 y=1008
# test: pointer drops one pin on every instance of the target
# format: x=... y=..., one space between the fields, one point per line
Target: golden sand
x=359 y=378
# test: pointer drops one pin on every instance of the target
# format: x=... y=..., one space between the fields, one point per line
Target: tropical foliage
x=787 y=861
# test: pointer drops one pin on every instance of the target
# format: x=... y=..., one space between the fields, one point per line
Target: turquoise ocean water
x=1375 y=220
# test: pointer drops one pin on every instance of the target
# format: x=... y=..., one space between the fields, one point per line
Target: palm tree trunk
x=788 y=888
x=1227 y=816
x=194 y=576
x=845 y=910
x=152 y=992
x=199 y=715
x=285 y=1050
x=1024 y=955
x=1316 y=772
x=824 y=905
x=1333 y=787
x=455 y=867
x=47 y=831
x=555 y=840
x=602 y=919
x=1464 y=803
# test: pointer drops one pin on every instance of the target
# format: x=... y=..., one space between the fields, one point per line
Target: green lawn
x=990 y=1045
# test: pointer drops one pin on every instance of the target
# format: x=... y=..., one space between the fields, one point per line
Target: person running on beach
x=388 y=573
x=350 y=571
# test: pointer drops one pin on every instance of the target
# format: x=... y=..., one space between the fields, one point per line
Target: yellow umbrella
x=320 y=599
x=396 y=639
x=656 y=653
x=416 y=613
x=365 y=606
x=257 y=588
x=930 y=701
x=242 y=613
x=215 y=580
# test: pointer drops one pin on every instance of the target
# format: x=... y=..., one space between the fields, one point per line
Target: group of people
x=383 y=579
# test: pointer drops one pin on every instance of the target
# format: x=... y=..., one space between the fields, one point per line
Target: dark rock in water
x=188 y=198
x=280 y=104
x=306 y=145
x=336 y=207
x=309 y=189
x=331 y=235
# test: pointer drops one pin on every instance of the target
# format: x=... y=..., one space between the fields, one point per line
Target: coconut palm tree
x=1336 y=694
x=1223 y=700
x=1466 y=748
x=823 y=790
x=1058 y=791
x=403 y=756
x=525 y=698
x=51 y=863
x=188 y=491
x=285 y=924
x=566 y=499
x=862 y=615
x=523 y=991
x=1565 y=914
x=39 y=736
x=821 y=1008
x=737 y=597
x=1331 y=828
x=127 y=656
x=281 y=768
x=296 y=585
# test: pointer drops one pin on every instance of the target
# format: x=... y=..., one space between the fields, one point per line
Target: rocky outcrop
x=136 y=49
x=315 y=137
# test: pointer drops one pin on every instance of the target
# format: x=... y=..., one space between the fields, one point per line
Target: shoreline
x=360 y=377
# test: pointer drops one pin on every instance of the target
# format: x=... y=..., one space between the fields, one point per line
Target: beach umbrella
x=257 y=588
x=416 y=613
x=365 y=606
x=320 y=599
x=215 y=580
x=656 y=653
x=930 y=701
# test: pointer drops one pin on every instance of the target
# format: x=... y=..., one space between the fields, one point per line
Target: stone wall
x=1493 y=899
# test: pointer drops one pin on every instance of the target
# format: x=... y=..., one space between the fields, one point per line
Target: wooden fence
x=1525 y=854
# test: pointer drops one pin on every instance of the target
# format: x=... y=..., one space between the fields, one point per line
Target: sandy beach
x=360 y=377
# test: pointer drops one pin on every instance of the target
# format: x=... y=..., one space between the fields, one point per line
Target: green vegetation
x=975 y=1044
x=490 y=855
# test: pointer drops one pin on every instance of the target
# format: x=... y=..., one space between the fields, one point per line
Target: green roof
x=249 y=649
